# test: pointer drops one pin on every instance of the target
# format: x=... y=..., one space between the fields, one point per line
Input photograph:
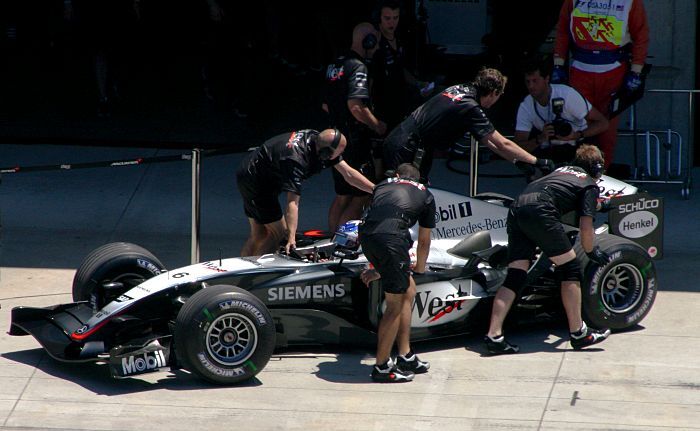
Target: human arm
x=529 y=145
x=291 y=216
x=506 y=148
x=364 y=115
x=561 y=42
x=586 y=232
x=423 y=249
x=596 y=124
x=639 y=32
x=354 y=177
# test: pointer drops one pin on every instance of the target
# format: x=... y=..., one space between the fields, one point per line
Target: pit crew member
x=281 y=164
x=346 y=99
x=534 y=220
x=446 y=117
x=397 y=203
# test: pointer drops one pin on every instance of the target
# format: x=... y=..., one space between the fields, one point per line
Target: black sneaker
x=499 y=346
x=390 y=373
x=411 y=363
x=588 y=337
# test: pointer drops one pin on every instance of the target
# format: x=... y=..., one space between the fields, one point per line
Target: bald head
x=359 y=33
x=326 y=139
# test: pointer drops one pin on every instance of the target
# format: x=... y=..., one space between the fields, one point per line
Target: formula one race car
x=222 y=319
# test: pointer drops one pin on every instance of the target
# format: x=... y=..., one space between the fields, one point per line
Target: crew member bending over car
x=534 y=220
x=280 y=165
x=446 y=117
x=398 y=202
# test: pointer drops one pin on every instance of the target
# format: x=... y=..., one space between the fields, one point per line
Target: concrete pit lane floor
x=646 y=379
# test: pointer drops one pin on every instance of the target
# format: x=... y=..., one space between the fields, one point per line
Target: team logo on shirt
x=334 y=73
x=295 y=139
x=456 y=93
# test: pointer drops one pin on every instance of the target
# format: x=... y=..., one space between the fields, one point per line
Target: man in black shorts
x=397 y=203
x=446 y=117
x=346 y=99
x=534 y=220
x=280 y=165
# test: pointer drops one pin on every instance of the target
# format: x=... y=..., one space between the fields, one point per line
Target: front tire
x=620 y=294
x=121 y=262
x=224 y=335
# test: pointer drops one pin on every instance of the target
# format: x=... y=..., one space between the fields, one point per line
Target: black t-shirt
x=397 y=203
x=284 y=161
x=345 y=79
x=447 y=116
x=388 y=79
x=568 y=188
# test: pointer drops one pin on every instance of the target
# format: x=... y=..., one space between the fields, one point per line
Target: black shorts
x=535 y=225
x=260 y=204
x=389 y=255
x=401 y=146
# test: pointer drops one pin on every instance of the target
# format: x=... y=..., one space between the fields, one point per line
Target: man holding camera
x=554 y=119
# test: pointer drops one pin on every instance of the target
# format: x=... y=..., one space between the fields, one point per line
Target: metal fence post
x=196 y=164
x=473 y=166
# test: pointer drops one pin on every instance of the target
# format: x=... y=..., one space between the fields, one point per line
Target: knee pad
x=570 y=271
x=515 y=280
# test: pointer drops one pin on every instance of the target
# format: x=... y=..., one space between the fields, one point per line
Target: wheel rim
x=622 y=288
x=231 y=339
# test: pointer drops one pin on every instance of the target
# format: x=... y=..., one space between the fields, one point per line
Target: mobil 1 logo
x=639 y=218
x=453 y=211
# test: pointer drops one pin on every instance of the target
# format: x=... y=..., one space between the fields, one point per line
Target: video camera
x=561 y=126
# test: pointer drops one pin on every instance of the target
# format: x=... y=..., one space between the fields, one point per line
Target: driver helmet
x=347 y=235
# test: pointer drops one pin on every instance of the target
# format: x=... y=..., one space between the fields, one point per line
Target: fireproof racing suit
x=534 y=219
x=346 y=79
x=436 y=124
x=397 y=203
x=279 y=165
x=603 y=37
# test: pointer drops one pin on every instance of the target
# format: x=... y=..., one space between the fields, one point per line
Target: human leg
x=407 y=360
x=335 y=212
x=495 y=341
x=389 y=326
x=257 y=235
x=568 y=271
x=274 y=233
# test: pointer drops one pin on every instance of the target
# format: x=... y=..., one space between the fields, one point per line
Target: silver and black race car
x=222 y=319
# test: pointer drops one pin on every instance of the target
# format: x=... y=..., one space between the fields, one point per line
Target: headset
x=594 y=169
x=325 y=153
x=369 y=41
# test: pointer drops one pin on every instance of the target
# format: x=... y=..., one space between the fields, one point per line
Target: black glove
x=598 y=256
x=545 y=165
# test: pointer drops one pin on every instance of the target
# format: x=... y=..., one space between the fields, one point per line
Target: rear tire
x=224 y=335
x=620 y=294
x=115 y=262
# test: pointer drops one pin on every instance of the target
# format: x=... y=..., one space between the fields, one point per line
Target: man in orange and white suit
x=608 y=40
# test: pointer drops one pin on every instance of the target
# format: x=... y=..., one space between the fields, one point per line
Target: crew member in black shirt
x=346 y=99
x=280 y=165
x=397 y=203
x=393 y=86
x=534 y=220
x=446 y=117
